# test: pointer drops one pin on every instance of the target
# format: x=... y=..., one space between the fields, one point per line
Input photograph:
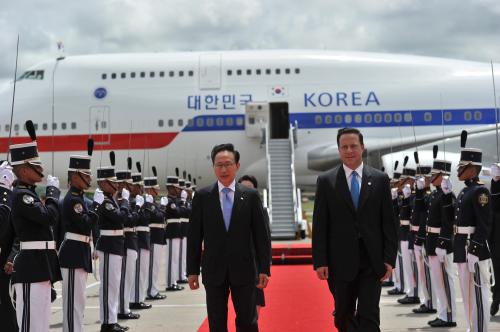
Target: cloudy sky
x=464 y=29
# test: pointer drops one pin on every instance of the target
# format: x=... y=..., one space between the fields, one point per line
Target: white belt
x=38 y=245
x=142 y=228
x=465 y=230
x=414 y=228
x=77 y=237
x=169 y=221
x=111 y=232
x=433 y=230
x=404 y=222
x=129 y=229
x=157 y=225
x=184 y=220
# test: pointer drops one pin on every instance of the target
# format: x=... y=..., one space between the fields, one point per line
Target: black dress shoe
x=183 y=281
x=139 y=306
x=123 y=328
x=423 y=309
x=395 y=291
x=433 y=321
x=156 y=297
x=130 y=315
x=388 y=283
x=494 y=308
x=112 y=328
x=174 y=288
x=442 y=323
x=409 y=300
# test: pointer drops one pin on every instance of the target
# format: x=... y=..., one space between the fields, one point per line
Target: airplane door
x=279 y=122
x=210 y=71
x=99 y=122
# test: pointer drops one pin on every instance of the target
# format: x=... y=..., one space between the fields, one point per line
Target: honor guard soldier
x=138 y=295
x=124 y=181
x=7 y=236
x=110 y=245
x=405 y=213
x=156 y=217
x=186 y=199
x=75 y=252
x=172 y=213
x=494 y=240
x=422 y=198
x=36 y=265
x=473 y=218
x=438 y=243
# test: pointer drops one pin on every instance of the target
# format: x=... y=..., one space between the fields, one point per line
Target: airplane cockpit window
x=32 y=75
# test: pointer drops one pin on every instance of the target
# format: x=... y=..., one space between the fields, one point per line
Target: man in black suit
x=229 y=219
x=354 y=235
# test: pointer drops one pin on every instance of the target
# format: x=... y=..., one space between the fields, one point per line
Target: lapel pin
x=369 y=183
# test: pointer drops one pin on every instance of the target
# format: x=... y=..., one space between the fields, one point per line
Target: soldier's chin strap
x=40 y=174
x=83 y=179
x=112 y=185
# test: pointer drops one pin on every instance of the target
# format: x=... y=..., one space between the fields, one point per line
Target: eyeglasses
x=225 y=165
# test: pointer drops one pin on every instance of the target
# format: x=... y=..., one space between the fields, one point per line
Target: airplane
x=170 y=109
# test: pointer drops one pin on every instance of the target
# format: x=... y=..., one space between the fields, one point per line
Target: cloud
x=466 y=30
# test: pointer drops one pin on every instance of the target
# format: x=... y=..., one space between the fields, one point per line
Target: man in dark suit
x=229 y=219
x=354 y=235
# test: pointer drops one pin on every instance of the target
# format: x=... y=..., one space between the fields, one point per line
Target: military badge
x=109 y=206
x=27 y=199
x=78 y=208
x=173 y=206
x=483 y=199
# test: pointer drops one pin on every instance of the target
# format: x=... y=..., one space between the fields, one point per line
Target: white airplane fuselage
x=169 y=110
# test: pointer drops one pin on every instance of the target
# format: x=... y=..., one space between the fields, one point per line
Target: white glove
x=149 y=198
x=184 y=195
x=139 y=200
x=98 y=196
x=441 y=254
x=471 y=261
x=6 y=175
x=125 y=194
x=52 y=181
x=406 y=190
x=164 y=201
x=394 y=193
x=420 y=183
x=446 y=185
x=495 y=172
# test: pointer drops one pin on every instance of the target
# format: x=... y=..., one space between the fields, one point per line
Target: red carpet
x=296 y=301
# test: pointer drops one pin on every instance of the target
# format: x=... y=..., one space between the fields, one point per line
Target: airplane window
x=7 y=127
x=210 y=122
x=238 y=72
x=162 y=74
x=338 y=118
x=34 y=125
x=427 y=117
x=132 y=74
x=387 y=117
x=113 y=76
x=378 y=117
x=328 y=119
x=467 y=116
x=190 y=123
x=229 y=72
x=447 y=116
x=277 y=71
x=171 y=73
x=44 y=126
x=190 y=73
x=160 y=123
x=249 y=71
x=200 y=122
x=257 y=71
x=104 y=76
x=123 y=75
x=181 y=73
x=39 y=75
x=54 y=126
x=358 y=118
x=239 y=121
x=73 y=125
x=297 y=70
x=229 y=121
x=407 y=117
x=180 y=122
x=16 y=127
x=268 y=71
x=318 y=119
x=143 y=74
x=368 y=118
x=219 y=122
x=287 y=71
x=478 y=115
x=170 y=122
x=103 y=124
x=348 y=118
x=397 y=117
x=63 y=125
x=152 y=74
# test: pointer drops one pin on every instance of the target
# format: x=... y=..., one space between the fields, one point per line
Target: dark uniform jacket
x=78 y=219
x=173 y=212
x=405 y=212
x=419 y=218
x=143 y=237
x=446 y=236
x=130 y=222
x=111 y=217
x=185 y=212
x=154 y=214
x=436 y=217
x=494 y=240
x=32 y=221
x=473 y=209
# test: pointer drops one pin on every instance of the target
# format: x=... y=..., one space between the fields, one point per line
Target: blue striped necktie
x=227 y=206
x=354 y=189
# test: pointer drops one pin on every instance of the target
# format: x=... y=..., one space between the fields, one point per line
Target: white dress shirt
x=232 y=186
x=348 y=174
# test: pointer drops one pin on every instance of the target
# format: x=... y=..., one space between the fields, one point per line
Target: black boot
x=494 y=307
